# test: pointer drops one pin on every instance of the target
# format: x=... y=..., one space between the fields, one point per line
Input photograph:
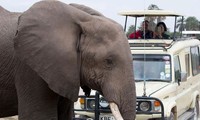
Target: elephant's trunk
x=124 y=97
x=127 y=103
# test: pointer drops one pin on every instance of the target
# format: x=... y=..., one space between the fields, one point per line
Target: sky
x=111 y=8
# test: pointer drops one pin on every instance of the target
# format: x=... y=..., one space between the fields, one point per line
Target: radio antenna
x=144 y=76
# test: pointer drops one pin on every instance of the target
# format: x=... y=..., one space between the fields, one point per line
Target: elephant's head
x=72 y=45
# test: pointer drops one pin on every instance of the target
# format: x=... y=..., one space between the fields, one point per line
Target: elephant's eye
x=109 y=63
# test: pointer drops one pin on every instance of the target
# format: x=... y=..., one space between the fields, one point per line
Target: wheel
x=171 y=117
x=196 y=111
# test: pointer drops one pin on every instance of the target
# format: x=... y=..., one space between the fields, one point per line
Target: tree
x=190 y=23
x=130 y=30
x=179 y=25
x=153 y=7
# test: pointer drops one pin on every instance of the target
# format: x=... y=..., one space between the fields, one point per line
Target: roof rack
x=142 y=13
x=152 y=44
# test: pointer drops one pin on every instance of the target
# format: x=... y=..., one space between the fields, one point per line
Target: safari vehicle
x=167 y=76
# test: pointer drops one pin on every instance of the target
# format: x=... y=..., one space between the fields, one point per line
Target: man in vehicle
x=144 y=33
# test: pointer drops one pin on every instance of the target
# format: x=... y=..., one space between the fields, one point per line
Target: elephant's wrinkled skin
x=61 y=47
x=8 y=63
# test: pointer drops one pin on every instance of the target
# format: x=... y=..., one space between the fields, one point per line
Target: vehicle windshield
x=151 y=67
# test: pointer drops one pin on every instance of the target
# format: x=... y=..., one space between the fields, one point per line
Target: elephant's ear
x=86 y=9
x=47 y=41
x=2 y=10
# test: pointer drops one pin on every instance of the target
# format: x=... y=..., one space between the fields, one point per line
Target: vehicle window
x=187 y=64
x=152 y=67
x=195 y=60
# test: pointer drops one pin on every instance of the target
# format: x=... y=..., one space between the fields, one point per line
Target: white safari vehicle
x=167 y=76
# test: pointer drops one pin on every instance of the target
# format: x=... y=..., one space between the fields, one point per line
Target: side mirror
x=183 y=77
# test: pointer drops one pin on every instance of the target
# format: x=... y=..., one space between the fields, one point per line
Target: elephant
x=56 y=49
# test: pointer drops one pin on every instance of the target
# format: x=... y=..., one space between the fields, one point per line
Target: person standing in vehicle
x=144 y=33
x=160 y=31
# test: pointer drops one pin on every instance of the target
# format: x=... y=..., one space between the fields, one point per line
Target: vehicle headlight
x=148 y=105
x=89 y=119
x=91 y=103
x=145 y=106
x=103 y=103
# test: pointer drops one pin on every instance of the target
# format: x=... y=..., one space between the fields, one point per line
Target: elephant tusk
x=115 y=111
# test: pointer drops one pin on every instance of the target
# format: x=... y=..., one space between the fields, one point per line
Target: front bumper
x=138 y=117
x=94 y=114
x=149 y=117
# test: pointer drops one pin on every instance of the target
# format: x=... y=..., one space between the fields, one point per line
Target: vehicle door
x=183 y=91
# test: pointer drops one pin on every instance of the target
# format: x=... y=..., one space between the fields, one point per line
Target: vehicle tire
x=196 y=111
x=171 y=117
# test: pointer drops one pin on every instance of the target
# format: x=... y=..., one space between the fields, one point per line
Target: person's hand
x=159 y=32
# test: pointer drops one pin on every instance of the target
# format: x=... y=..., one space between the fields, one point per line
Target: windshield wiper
x=152 y=80
x=139 y=80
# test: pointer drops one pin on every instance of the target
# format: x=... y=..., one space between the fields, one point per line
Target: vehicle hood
x=151 y=87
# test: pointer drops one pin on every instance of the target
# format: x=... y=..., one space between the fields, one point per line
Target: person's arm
x=131 y=36
x=159 y=32
x=135 y=35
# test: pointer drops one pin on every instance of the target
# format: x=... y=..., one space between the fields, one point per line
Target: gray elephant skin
x=50 y=50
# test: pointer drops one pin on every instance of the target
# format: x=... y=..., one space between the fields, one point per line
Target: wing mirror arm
x=179 y=80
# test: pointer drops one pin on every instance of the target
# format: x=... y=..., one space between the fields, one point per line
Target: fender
x=170 y=105
x=195 y=95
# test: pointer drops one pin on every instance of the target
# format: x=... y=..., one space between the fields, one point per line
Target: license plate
x=106 y=117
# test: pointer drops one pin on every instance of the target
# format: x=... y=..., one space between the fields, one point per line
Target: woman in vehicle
x=160 y=31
